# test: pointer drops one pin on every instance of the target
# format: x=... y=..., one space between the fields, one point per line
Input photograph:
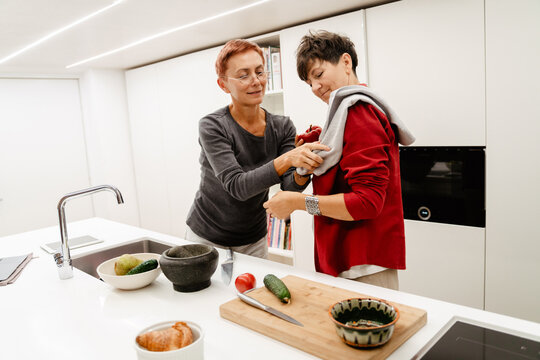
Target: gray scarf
x=332 y=133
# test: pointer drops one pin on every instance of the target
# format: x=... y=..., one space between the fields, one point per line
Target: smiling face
x=325 y=77
x=246 y=65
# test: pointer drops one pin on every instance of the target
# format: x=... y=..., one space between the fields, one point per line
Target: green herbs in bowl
x=364 y=322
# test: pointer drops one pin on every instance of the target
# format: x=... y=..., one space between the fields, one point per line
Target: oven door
x=444 y=184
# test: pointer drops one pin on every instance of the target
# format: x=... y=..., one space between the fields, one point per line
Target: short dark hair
x=325 y=46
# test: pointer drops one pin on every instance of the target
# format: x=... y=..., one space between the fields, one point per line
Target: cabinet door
x=148 y=150
x=166 y=102
x=42 y=153
x=513 y=174
x=188 y=90
x=302 y=238
x=444 y=262
x=299 y=102
x=426 y=58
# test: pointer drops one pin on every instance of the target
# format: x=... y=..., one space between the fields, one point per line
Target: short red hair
x=231 y=48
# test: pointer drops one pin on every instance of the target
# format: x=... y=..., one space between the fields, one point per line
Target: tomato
x=245 y=282
x=311 y=134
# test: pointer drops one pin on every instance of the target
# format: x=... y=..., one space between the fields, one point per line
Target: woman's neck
x=250 y=117
x=353 y=80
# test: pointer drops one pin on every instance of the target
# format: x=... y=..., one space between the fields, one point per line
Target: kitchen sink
x=90 y=261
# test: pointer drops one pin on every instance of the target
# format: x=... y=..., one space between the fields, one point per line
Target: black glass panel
x=466 y=341
x=443 y=184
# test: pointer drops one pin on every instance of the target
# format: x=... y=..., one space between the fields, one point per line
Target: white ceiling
x=24 y=22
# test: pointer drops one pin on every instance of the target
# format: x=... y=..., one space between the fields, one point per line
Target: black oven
x=444 y=184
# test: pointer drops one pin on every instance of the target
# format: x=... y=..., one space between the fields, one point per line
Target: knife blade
x=227 y=267
x=255 y=303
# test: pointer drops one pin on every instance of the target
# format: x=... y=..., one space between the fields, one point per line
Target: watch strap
x=312 y=205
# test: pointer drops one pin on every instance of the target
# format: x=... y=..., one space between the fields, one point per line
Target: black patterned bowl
x=364 y=322
x=189 y=267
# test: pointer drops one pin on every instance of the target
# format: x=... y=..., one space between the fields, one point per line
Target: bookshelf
x=273 y=99
x=279 y=231
x=280 y=246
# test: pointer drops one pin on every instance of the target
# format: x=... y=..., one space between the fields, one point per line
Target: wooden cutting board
x=309 y=305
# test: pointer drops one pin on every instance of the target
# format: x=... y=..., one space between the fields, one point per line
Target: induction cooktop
x=464 y=339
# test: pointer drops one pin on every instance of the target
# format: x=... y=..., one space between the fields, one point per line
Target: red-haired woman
x=244 y=150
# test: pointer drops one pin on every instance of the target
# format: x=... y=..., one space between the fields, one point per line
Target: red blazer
x=368 y=175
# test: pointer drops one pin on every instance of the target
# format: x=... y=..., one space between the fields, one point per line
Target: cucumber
x=277 y=287
x=143 y=267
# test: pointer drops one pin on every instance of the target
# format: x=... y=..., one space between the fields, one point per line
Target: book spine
x=277 y=83
x=268 y=66
x=268 y=230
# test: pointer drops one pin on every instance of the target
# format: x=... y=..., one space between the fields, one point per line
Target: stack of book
x=279 y=233
x=272 y=57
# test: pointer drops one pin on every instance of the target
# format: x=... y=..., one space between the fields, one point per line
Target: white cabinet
x=166 y=102
x=107 y=135
x=42 y=153
x=426 y=58
x=444 y=262
x=188 y=91
x=303 y=238
x=147 y=143
x=513 y=174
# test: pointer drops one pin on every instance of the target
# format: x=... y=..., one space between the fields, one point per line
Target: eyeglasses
x=247 y=79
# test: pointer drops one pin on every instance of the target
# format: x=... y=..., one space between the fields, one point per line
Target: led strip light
x=166 y=32
x=56 y=32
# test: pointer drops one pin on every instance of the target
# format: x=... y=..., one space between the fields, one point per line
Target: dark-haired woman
x=357 y=207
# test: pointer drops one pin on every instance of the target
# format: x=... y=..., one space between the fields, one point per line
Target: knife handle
x=251 y=301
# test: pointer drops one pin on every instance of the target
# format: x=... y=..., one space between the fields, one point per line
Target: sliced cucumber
x=144 y=267
x=277 y=287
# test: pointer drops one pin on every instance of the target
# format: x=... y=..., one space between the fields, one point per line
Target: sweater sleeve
x=365 y=161
x=287 y=144
x=218 y=148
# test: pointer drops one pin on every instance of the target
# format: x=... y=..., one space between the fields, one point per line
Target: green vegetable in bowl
x=143 y=267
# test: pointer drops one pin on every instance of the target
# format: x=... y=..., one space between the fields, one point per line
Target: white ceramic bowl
x=128 y=282
x=195 y=351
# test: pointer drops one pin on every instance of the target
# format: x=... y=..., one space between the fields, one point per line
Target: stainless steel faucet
x=63 y=258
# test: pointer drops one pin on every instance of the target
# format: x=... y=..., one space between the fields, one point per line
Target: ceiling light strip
x=166 y=32
x=56 y=32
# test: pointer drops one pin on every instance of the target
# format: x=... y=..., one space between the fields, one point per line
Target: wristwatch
x=312 y=205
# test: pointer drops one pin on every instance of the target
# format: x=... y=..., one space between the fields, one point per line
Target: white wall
x=513 y=147
x=104 y=104
x=42 y=152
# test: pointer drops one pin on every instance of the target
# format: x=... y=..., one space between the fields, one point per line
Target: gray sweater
x=237 y=169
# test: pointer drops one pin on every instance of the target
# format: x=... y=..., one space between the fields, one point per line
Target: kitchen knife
x=251 y=301
x=227 y=267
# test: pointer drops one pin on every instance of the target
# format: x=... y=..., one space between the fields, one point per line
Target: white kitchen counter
x=49 y=318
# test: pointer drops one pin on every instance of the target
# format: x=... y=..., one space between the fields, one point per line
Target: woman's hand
x=303 y=156
x=298 y=141
x=284 y=203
